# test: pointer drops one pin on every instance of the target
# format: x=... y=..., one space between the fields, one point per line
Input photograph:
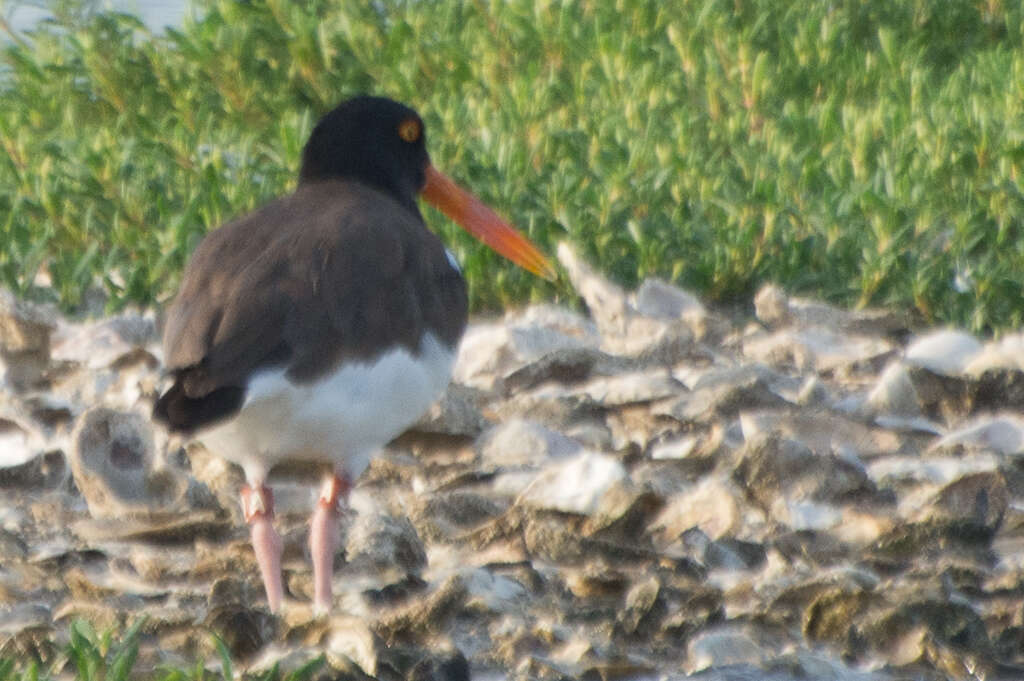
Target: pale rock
x=1005 y=353
x=1001 y=433
x=946 y=351
x=823 y=432
x=20 y=440
x=132 y=385
x=624 y=330
x=115 y=465
x=427 y=613
x=530 y=552
x=621 y=510
x=725 y=391
x=104 y=581
x=576 y=485
x=83 y=388
x=484 y=353
x=910 y=424
x=567 y=660
x=972 y=503
x=522 y=443
x=565 y=367
x=542 y=329
x=23 y=371
x=853 y=404
x=607 y=301
x=689 y=375
x=104 y=342
x=443 y=517
x=632 y=388
x=53 y=412
x=721 y=646
x=814 y=349
x=12 y=547
x=155 y=563
x=909 y=646
x=381 y=542
x=661 y=300
x=278 y=660
x=455 y=413
x=639 y=601
x=511 y=484
x=870 y=322
x=930 y=470
x=676 y=448
x=443 y=560
x=773 y=307
x=652 y=341
x=657 y=298
x=352 y=639
x=711 y=505
x=161 y=525
x=491 y=350
x=493 y=593
x=592 y=433
x=772 y=467
x=101 y=615
x=24 y=327
x=633 y=429
x=55 y=550
x=813 y=665
x=894 y=393
x=776 y=309
x=565 y=322
x=859 y=528
x=12 y=518
x=126 y=387
x=18 y=617
x=223 y=478
x=556 y=406
x=803 y=514
x=717 y=375
x=813 y=393
x=727 y=554
x=443 y=665
x=596 y=580
x=25 y=330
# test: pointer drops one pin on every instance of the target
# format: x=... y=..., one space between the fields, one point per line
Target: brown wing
x=335 y=272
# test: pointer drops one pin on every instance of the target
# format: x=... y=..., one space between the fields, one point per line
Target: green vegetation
x=864 y=152
x=102 y=657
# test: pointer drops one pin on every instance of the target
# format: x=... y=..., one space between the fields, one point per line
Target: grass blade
x=227 y=668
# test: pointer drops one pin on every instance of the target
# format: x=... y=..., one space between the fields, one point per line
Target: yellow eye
x=409 y=130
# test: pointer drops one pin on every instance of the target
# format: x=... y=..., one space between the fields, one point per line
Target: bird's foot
x=323 y=538
x=258 y=508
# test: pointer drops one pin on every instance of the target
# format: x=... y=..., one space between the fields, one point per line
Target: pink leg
x=323 y=538
x=258 y=507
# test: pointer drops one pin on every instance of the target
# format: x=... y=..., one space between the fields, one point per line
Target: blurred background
x=863 y=153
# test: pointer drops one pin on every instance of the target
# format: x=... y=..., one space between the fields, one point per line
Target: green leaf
x=227 y=669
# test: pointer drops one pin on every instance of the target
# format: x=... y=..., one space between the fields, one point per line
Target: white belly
x=343 y=418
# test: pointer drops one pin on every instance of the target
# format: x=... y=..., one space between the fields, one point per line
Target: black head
x=374 y=140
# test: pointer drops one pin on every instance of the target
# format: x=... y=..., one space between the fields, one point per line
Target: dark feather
x=336 y=272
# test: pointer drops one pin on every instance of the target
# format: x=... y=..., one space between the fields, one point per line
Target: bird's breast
x=341 y=418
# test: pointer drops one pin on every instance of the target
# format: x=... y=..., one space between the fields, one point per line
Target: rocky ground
x=653 y=490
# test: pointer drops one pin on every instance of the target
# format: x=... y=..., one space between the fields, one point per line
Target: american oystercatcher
x=325 y=323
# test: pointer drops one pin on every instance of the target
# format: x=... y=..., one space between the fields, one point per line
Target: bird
x=322 y=325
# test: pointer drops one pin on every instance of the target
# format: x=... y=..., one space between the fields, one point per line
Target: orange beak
x=475 y=217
